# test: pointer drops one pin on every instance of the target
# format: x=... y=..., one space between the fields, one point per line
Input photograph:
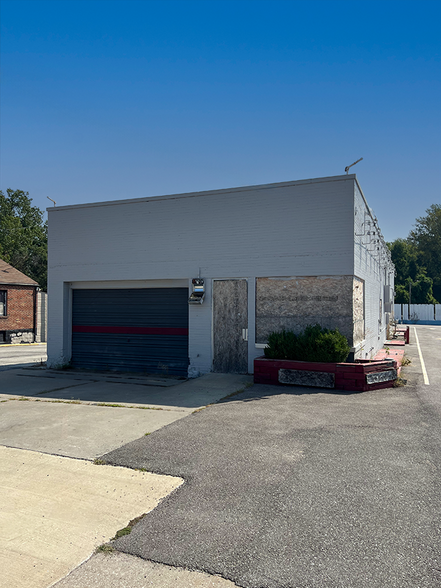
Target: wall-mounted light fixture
x=198 y=294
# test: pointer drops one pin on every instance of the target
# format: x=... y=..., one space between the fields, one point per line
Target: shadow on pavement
x=262 y=391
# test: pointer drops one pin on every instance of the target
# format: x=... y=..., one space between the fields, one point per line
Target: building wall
x=41 y=331
x=358 y=303
x=290 y=229
x=372 y=264
x=294 y=303
x=18 y=325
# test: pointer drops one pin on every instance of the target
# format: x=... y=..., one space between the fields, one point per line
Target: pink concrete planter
x=360 y=376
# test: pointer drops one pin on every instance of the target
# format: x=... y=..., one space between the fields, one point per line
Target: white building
x=273 y=256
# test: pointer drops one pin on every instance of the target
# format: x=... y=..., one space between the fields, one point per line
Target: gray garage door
x=140 y=330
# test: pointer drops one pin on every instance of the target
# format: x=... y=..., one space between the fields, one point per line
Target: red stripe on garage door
x=129 y=330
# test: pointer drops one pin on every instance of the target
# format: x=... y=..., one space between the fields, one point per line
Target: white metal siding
x=295 y=228
x=370 y=267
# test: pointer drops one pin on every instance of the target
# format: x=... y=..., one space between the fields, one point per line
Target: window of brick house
x=3 y=309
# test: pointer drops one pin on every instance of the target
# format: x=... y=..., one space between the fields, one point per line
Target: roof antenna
x=56 y=203
x=348 y=166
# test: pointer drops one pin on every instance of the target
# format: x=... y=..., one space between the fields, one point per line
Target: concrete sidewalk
x=57 y=506
x=119 y=570
x=56 y=511
x=76 y=429
x=89 y=387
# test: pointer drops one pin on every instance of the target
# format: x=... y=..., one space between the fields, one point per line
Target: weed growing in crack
x=399 y=382
x=105 y=548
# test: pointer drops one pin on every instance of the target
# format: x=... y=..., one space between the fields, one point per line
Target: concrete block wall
x=41 y=328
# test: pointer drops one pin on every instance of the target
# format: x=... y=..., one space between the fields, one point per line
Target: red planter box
x=347 y=376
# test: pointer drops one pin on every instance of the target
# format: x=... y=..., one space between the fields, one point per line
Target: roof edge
x=6 y=284
x=340 y=178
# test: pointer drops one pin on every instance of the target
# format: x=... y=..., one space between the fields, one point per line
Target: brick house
x=22 y=307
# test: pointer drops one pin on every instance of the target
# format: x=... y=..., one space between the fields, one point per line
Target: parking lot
x=279 y=487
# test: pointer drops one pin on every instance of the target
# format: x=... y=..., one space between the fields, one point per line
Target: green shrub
x=281 y=345
x=313 y=344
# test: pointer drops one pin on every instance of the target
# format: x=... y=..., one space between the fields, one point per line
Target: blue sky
x=110 y=99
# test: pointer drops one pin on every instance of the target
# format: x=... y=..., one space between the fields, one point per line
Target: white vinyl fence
x=418 y=312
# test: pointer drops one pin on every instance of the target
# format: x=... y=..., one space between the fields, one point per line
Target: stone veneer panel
x=358 y=310
x=292 y=303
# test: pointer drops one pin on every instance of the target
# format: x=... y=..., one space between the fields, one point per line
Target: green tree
x=422 y=290
x=401 y=294
x=417 y=260
x=23 y=235
x=426 y=237
x=405 y=257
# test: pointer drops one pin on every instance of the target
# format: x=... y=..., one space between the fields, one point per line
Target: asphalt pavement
x=297 y=489
x=23 y=354
x=270 y=488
